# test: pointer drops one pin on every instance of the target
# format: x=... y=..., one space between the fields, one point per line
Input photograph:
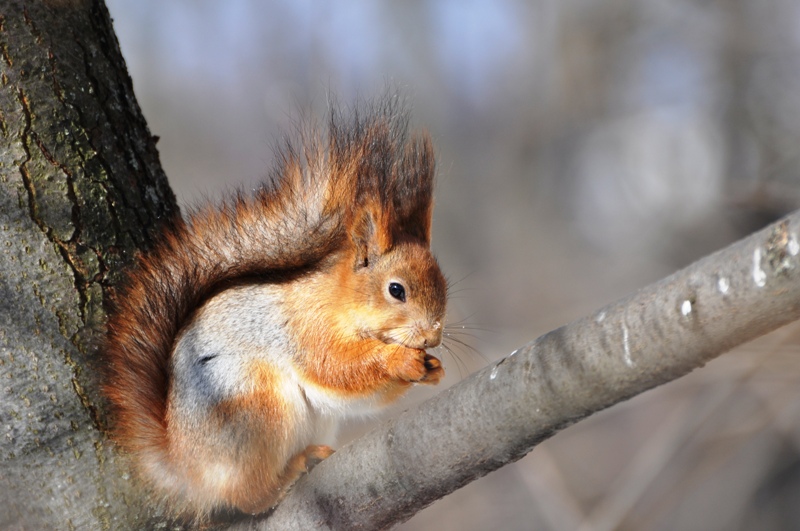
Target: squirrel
x=236 y=343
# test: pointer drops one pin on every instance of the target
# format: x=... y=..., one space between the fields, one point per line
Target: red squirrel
x=240 y=339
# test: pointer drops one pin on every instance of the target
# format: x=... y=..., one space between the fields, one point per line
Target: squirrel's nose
x=433 y=336
x=430 y=343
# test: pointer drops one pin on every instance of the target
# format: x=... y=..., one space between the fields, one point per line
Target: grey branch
x=499 y=414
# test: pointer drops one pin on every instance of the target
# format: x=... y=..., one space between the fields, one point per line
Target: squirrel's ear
x=413 y=199
x=371 y=234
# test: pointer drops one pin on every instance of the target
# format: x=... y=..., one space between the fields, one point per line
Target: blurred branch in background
x=585 y=150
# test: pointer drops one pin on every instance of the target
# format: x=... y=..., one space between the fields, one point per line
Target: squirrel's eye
x=397 y=291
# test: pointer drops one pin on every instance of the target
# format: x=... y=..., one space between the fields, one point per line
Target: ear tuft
x=372 y=234
x=413 y=200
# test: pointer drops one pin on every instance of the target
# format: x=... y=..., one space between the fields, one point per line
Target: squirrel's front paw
x=434 y=370
x=418 y=366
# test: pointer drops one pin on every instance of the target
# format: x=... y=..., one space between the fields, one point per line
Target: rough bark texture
x=80 y=187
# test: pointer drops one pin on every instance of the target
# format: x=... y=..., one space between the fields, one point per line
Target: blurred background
x=585 y=149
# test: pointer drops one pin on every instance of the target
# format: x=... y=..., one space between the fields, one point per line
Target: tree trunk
x=80 y=188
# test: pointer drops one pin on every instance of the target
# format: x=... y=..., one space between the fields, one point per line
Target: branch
x=499 y=414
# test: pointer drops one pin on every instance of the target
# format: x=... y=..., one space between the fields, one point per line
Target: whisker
x=458 y=329
x=450 y=283
x=469 y=348
x=460 y=364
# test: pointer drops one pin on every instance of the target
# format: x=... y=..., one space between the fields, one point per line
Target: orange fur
x=374 y=365
x=340 y=221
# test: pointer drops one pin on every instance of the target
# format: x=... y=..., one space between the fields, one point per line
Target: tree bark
x=80 y=188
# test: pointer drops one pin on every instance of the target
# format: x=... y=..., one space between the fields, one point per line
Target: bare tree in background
x=82 y=189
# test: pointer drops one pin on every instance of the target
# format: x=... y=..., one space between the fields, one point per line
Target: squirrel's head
x=400 y=296
x=398 y=291
x=403 y=291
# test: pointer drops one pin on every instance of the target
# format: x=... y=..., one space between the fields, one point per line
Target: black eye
x=397 y=291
